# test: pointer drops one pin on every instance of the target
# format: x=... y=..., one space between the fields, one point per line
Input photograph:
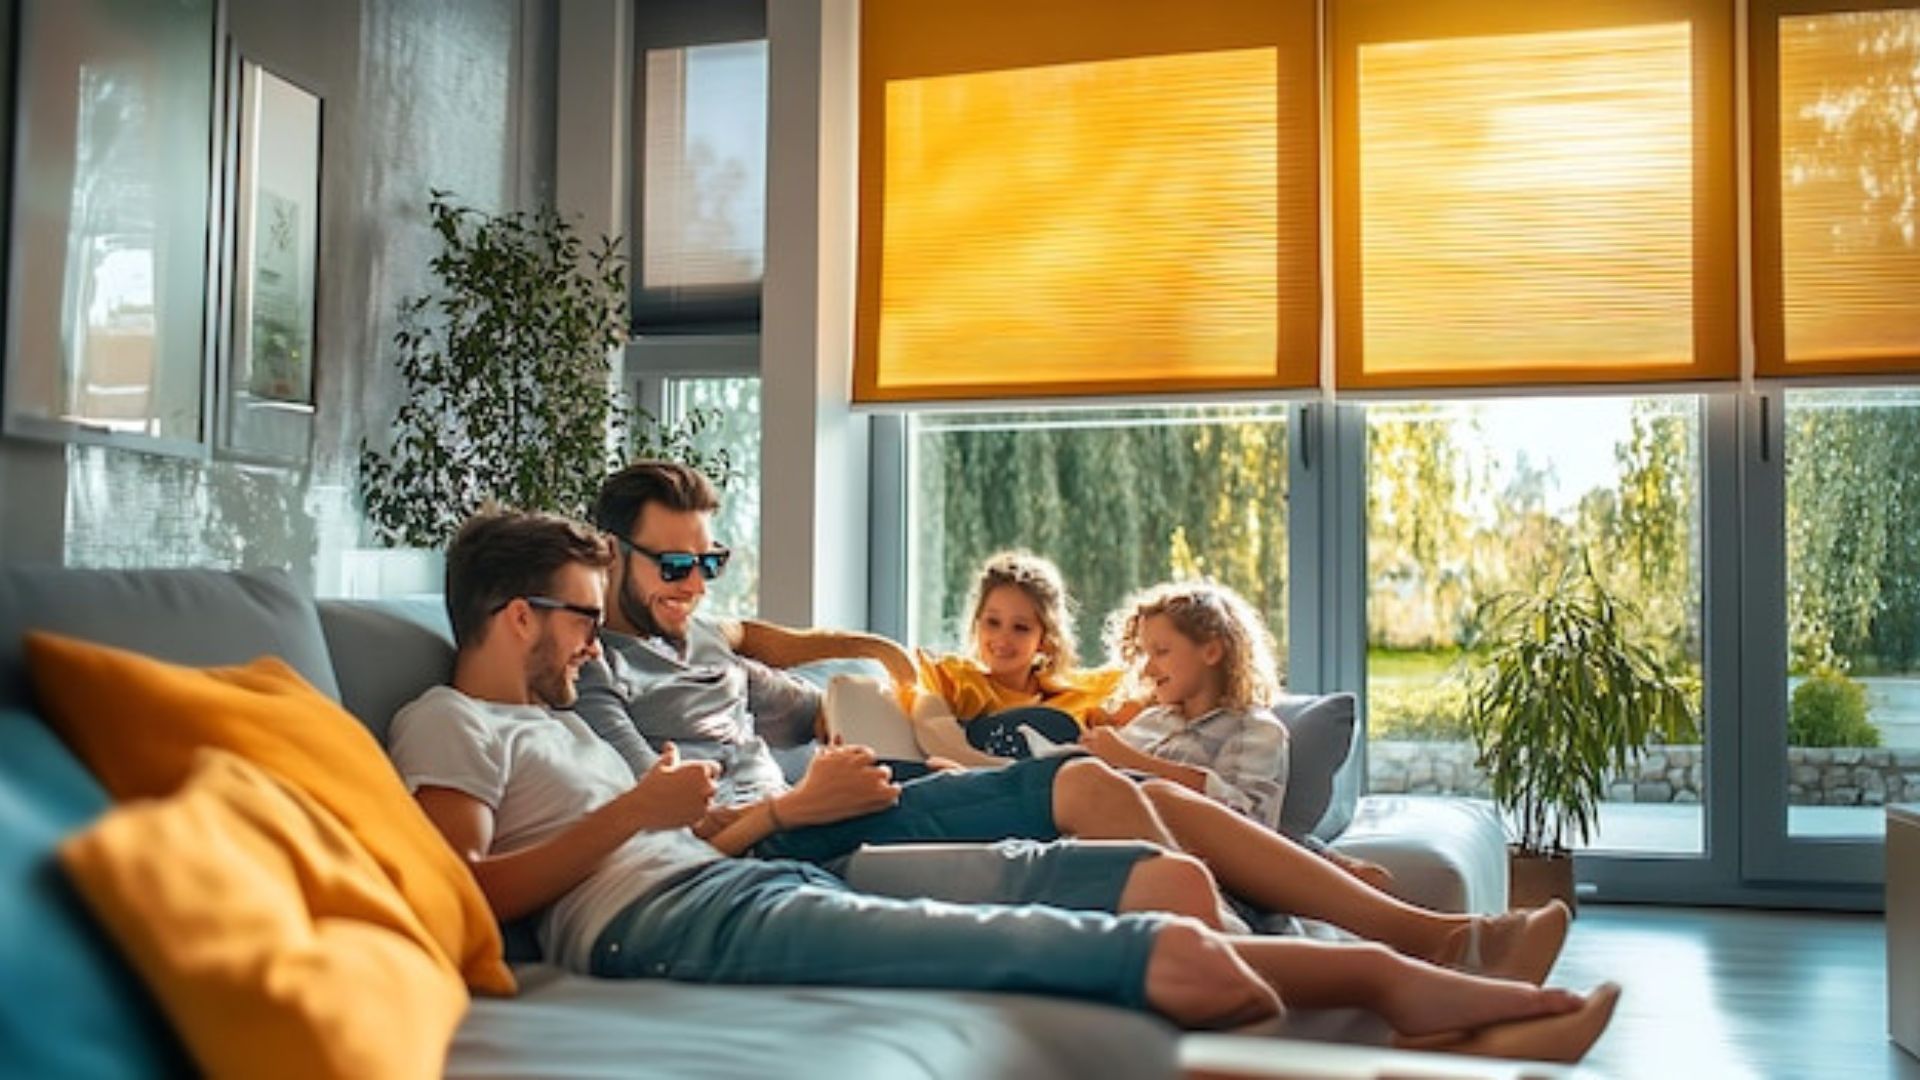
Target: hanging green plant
x=508 y=375
x=1565 y=697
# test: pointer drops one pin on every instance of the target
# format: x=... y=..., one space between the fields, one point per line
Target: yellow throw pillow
x=268 y=934
x=137 y=722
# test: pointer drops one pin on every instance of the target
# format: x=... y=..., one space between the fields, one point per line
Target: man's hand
x=841 y=782
x=716 y=820
x=674 y=793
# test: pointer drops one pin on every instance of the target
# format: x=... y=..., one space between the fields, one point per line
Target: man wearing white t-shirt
x=626 y=883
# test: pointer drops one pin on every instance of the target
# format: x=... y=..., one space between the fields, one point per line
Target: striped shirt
x=1243 y=753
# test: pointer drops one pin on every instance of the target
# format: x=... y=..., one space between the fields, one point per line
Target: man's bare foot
x=1425 y=1000
x=1565 y=1038
x=1516 y=945
x=1195 y=979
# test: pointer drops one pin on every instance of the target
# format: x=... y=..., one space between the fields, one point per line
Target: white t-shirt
x=541 y=772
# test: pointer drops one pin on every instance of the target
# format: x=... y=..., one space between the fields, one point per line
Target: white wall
x=814 y=481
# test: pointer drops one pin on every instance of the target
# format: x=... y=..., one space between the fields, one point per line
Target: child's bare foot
x=1195 y=979
x=1516 y=945
x=1563 y=1038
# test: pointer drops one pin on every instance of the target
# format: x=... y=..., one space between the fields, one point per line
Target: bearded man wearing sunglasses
x=716 y=691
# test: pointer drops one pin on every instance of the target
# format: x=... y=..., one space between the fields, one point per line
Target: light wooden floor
x=1712 y=993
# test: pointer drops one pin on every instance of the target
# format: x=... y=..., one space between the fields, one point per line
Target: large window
x=1120 y=499
x=1853 y=608
x=1466 y=502
x=1524 y=201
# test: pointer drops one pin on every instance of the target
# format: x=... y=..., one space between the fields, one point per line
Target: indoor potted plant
x=510 y=395
x=1564 y=698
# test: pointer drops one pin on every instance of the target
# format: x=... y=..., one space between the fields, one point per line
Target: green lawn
x=1424 y=664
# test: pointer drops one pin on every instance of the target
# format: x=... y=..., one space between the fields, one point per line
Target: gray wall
x=418 y=94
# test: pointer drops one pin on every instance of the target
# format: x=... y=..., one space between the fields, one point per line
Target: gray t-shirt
x=708 y=700
x=540 y=772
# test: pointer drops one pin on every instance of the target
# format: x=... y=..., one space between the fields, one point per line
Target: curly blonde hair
x=1201 y=611
x=1039 y=580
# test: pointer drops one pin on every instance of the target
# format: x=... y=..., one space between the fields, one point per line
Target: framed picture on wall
x=114 y=158
x=267 y=380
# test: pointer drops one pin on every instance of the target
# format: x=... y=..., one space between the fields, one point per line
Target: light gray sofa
x=70 y=1007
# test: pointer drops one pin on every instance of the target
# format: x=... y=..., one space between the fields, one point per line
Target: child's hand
x=1370 y=872
x=1105 y=744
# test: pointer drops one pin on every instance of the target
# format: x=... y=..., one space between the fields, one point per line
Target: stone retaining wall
x=1846 y=776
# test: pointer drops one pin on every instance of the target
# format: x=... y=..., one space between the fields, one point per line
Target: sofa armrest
x=1446 y=854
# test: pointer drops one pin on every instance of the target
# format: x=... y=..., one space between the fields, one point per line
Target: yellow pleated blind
x=1071 y=198
x=1838 y=267
x=1532 y=203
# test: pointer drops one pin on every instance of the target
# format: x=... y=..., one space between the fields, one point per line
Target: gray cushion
x=200 y=618
x=386 y=653
x=1321 y=792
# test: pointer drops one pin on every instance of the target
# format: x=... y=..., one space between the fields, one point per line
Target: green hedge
x=1418 y=712
x=1830 y=709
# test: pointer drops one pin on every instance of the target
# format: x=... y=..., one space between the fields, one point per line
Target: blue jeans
x=1080 y=875
x=785 y=923
x=976 y=806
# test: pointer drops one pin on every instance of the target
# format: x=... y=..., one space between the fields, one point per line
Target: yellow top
x=972 y=693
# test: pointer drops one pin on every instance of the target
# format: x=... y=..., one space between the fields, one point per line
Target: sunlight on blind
x=1850 y=185
x=704 y=200
x=1099 y=222
x=1526 y=202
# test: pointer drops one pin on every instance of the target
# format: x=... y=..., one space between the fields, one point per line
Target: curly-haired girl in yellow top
x=1023 y=669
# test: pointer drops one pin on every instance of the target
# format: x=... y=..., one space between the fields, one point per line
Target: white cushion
x=1447 y=854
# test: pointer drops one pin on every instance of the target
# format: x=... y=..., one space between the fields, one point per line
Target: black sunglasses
x=675 y=565
x=548 y=603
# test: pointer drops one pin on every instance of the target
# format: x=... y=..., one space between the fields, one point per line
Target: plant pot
x=1532 y=880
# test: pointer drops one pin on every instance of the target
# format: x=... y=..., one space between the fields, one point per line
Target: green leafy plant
x=1564 y=698
x=686 y=441
x=1830 y=709
x=508 y=376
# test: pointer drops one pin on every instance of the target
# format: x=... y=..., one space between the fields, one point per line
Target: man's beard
x=640 y=614
x=547 y=677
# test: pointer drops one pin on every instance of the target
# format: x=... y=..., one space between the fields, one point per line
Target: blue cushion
x=69 y=1005
x=1323 y=780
